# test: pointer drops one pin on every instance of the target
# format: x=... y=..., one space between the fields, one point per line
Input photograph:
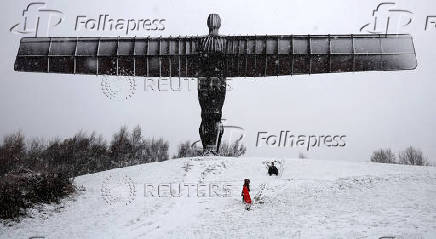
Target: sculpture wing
x=244 y=56
x=257 y=56
x=151 y=57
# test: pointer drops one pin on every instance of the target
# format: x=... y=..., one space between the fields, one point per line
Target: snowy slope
x=310 y=199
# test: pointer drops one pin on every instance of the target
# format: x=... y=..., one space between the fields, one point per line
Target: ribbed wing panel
x=152 y=57
x=257 y=56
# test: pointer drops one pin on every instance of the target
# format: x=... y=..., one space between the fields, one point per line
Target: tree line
x=81 y=154
x=409 y=156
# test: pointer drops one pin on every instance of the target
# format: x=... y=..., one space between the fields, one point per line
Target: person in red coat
x=246 y=194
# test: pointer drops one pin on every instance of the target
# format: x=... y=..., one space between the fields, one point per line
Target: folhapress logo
x=37 y=20
x=104 y=22
x=288 y=139
x=388 y=19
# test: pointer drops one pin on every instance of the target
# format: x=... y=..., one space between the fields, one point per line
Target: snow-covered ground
x=309 y=199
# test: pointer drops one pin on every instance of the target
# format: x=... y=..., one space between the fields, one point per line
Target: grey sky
x=376 y=109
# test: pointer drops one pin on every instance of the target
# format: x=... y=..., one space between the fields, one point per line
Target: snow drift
x=309 y=199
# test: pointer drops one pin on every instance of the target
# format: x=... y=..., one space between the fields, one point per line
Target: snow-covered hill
x=309 y=199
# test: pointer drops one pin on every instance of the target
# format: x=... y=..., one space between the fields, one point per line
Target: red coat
x=246 y=195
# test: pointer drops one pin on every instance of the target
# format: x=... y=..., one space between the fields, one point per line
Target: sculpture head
x=214 y=23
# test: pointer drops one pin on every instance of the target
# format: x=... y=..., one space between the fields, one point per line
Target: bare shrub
x=412 y=156
x=121 y=148
x=383 y=156
x=12 y=152
x=22 y=189
x=186 y=149
x=235 y=149
x=156 y=150
x=131 y=149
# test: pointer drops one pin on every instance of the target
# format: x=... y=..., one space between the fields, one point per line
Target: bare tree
x=138 y=145
x=383 y=156
x=412 y=156
x=12 y=152
x=233 y=150
x=186 y=149
x=121 y=147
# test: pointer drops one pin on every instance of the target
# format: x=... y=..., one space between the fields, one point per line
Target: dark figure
x=212 y=87
x=273 y=170
x=246 y=194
